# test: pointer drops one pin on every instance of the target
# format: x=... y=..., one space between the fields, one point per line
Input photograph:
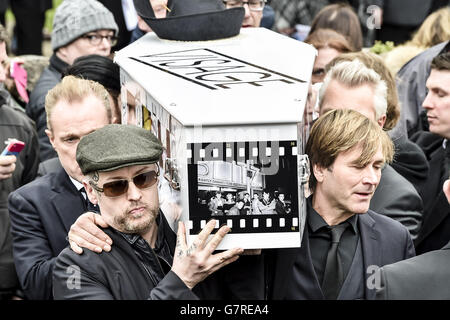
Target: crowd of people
x=246 y=205
x=87 y=182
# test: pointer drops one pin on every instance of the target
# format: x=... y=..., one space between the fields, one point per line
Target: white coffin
x=229 y=113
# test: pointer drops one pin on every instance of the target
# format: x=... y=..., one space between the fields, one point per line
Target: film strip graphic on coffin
x=250 y=186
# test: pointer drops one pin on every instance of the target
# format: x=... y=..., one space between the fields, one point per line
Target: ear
x=446 y=189
x=62 y=53
x=318 y=172
x=382 y=120
x=91 y=193
x=143 y=25
x=51 y=137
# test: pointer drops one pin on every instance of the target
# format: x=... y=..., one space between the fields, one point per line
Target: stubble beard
x=137 y=225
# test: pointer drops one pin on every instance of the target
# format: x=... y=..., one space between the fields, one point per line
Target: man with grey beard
x=120 y=165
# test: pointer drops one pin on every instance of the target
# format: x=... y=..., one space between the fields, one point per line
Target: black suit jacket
x=425 y=277
x=383 y=241
x=396 y=197
x=435 y=232
x=41 y=215
x=48 y=166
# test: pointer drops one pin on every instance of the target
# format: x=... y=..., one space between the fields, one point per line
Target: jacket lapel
x=370 y=248
x=66 y=199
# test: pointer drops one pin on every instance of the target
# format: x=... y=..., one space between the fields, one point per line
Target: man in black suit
x=344 y=242
x=435 y=231
x=425 y=277
x=42 y=211
x=355 y=84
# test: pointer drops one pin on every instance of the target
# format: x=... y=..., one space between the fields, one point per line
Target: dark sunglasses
x=119 y=187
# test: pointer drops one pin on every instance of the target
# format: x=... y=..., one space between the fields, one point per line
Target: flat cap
x=117 y=146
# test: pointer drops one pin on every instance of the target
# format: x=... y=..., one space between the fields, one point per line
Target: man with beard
x=121 y=174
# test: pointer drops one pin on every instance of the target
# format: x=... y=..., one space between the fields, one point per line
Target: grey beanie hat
x=73 y=18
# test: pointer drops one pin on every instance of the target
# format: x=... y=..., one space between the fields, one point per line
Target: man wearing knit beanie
x=80 y=27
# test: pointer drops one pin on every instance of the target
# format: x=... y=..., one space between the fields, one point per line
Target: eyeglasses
x=253 y=5
x=119 y=187
x=96 y=39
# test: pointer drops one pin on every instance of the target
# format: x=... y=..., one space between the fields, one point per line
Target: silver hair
x=354 y=74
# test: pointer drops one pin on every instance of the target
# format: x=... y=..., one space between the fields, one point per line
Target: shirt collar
x=77 y=184
x=316 y=222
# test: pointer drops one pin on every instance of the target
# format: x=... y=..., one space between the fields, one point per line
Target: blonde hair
x=435 y=29
x=340 y=130
x=354 y=74
x=376 y=63
x=73 y=89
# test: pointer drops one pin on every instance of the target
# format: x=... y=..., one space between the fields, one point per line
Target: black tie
x=89 y=206
x=333 y=276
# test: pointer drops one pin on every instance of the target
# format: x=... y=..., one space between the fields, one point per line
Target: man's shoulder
x=422 y=59
x=426 y=276
x=38 y=186
x=395 y=180
x=48 y=79
x=92 y=262
x=424 y=263
x=14 y=115
x=388 y=226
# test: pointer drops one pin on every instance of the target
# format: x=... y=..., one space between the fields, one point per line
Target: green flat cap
x=116 y=146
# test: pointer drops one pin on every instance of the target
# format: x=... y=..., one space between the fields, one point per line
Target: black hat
x=193 y=20
x=116 y=146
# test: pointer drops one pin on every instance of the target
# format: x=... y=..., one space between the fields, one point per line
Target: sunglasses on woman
x=119 y=187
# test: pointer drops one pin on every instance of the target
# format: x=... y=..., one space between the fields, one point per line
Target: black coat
x=48 y=166
x=35 y=108
x=435 y=232
x=396 y=197
x=41 y=215
x=425 y=277
x=411 y=162
x=14 y=124
x=383 y=241
x=119 y=275
x=115 y=275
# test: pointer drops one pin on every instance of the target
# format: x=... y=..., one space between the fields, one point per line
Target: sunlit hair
x=339 y=131
x=354 y=74
x=377 y=64
x=435 y=29
x=73 y=89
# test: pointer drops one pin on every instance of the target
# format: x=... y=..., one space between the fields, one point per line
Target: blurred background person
x=329 y=44
x=434 y=30
x=14 y=171
x=342 y=18
x=80 y=27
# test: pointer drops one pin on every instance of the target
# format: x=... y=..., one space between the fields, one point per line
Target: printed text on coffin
x=213 y=70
